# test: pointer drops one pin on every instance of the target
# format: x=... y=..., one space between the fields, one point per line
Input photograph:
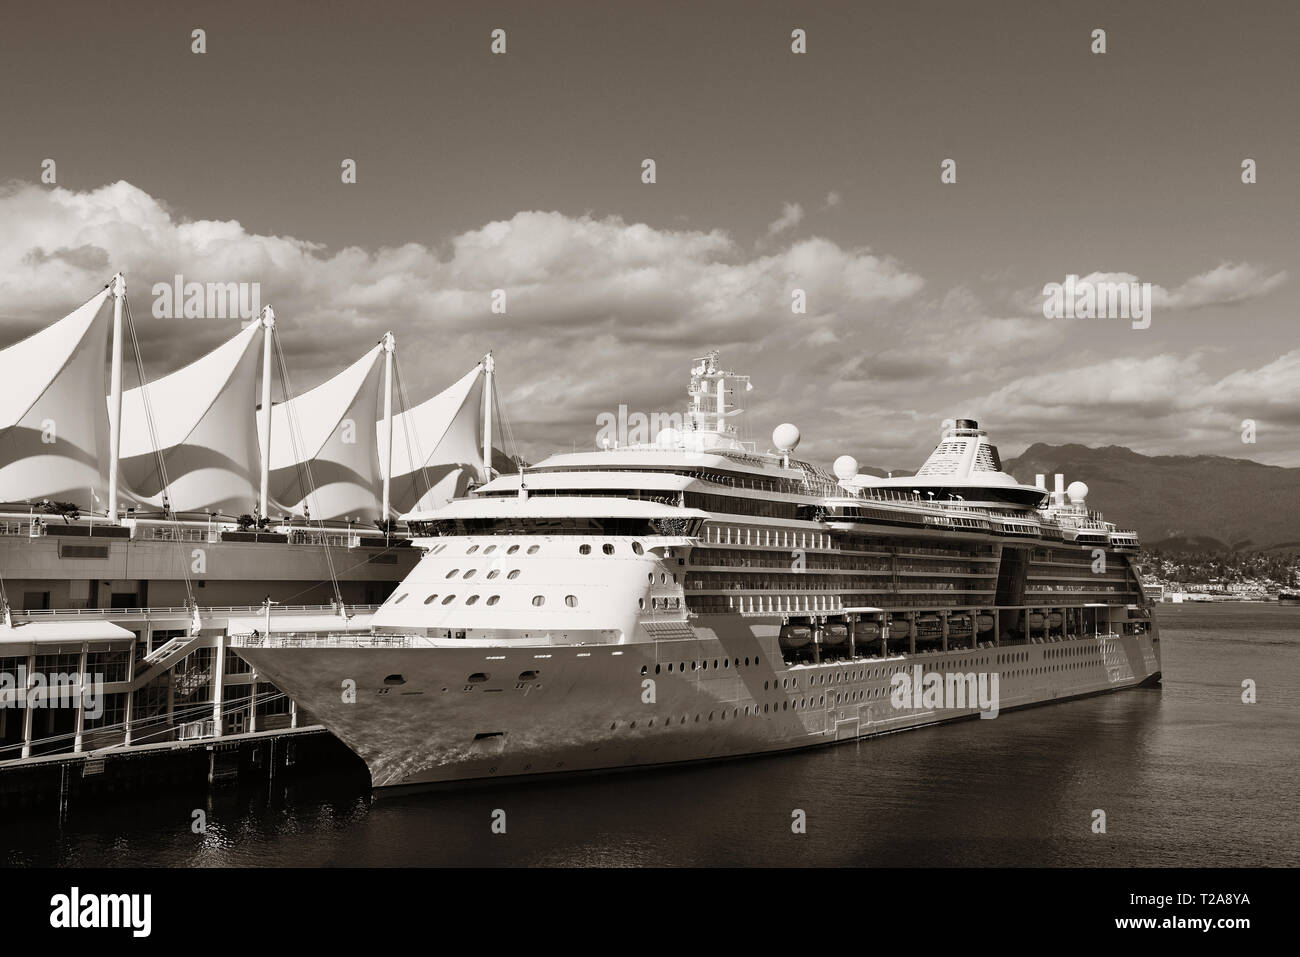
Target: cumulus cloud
x=601 y=311
x=833 y=199
x=1228 y=284
x=597 y=309
x=791 y=216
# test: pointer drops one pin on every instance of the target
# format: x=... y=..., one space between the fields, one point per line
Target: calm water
x=1187 y=775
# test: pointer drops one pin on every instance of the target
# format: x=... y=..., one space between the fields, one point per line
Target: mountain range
x=1178 y=502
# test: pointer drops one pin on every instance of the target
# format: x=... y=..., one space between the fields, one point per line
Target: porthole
x=453 y=573
x=640 y=603
x=489 y=550
x=478 y=677
x=401 y=598
x=571 y=601
x=512 y=549
x=637 y=549
x=449 y=599
x=539 y=600
x=607 y=548
x=471 y=550
x=528 y=675
x=493 y=574
x=584 y=549
x=429 y=600
x=532 y=549
x=470 y=574
x=513 y=574
x=471 y=599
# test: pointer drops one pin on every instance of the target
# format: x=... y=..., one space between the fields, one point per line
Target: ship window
x=640 y=603
x=584 y=549
x=607 y=548
x=494 y=599
x=539 y=600
x=513 y=574
x=449 y=599
x=528 y=675
x=512 y=549
x=429 y=600
x=471 y=599
x=493 y=573
x=489 y=550
x=479 y=677
x=532 y=549
x=637 y=549
x=453 y=573
x=571 y=601
x=471 y=550
x=470 y=574
x=394 y=680
x=401 y=598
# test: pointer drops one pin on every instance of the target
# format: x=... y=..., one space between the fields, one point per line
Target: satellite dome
x=785 y=437
x=845 y=468
x=1076 y=492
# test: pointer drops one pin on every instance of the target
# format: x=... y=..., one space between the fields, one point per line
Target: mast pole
x=115 y=397
x=489 y=368
x=390 y=344
x=268 y=327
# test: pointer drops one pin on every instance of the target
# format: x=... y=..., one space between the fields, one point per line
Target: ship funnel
x=1040 y=480
x=1058 y=493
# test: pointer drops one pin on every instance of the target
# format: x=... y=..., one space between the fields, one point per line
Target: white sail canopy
x=203 y=426
x=437 y=446
x=53 y=426
x=324 y=455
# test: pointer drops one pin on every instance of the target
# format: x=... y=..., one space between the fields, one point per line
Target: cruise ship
x=693 y=598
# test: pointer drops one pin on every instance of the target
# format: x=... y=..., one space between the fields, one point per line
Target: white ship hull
x=589 y=707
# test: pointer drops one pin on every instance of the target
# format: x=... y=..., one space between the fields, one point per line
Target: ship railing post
x=943 y=624
x=853 y=643
x=911 y=633
x=997 y=636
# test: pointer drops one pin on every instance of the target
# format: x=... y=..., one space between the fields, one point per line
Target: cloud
x=601 y=311
x=598 y=310
x=1228 y=284
x=833 y=199
x=791 y=216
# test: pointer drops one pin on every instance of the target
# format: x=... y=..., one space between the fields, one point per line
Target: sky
x=774 y=171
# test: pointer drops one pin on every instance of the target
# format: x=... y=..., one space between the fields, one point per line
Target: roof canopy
x=204 y=426
x=53 y=426
x=327 y=431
